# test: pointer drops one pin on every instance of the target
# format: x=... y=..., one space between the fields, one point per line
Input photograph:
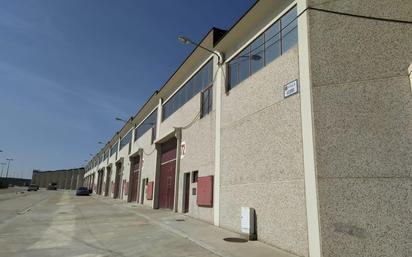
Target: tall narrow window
x=256 y=54
x=289 y=29
x=207 y=101
x=272 y=44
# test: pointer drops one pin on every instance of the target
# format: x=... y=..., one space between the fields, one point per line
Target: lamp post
x=187 y=41
x=2 y=168
x=120 y=119
x=8 y=165
x=123 y=120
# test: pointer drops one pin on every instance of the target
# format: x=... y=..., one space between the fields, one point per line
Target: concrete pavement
x=57 y=223
x=201 y=233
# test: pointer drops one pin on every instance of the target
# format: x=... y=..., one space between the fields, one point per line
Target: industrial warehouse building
x=303 y=112
x=64 y=179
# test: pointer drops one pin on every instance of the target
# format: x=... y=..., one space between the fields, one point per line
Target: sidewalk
x=201 y=233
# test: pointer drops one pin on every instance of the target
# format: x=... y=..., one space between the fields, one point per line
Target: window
x=206 y=101
x=126 y=139
x=272 y=44
x=256 y=54
x=195 y=175
x=289 y=30
x=153 y=135
x=275 y=41
x=106 y=154
x=113 y=149
x=148 y=123
x=200 y=81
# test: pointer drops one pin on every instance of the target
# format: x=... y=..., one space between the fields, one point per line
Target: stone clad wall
x=363 y=119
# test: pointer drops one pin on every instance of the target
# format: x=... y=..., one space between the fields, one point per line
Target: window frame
x=247 y=46
x=208 y=89
x=197 y=84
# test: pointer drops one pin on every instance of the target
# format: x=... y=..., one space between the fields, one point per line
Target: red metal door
x=167 y=174
x=117 y=185
x=108 y=177
x=167 y=185
x=134 y=182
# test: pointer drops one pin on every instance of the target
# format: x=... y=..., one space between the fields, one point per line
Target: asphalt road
x=57 y=223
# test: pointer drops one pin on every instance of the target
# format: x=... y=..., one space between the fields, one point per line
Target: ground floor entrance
x=100 y=177
x=118 y=181
x=135 y=180
x=108 y=180
x=167 y=174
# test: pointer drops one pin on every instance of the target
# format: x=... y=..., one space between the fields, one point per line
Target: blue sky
x=68 y=67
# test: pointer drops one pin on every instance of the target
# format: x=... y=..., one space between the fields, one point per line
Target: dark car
x=52 y=186
x=33 y=187
x=82 y=191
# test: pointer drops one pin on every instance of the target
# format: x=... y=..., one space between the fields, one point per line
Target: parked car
x=82 y=191
x=33 y=187
x=52 y=186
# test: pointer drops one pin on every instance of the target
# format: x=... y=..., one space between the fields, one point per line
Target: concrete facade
x=327 y=170
x=363 y=119
x=65 y=179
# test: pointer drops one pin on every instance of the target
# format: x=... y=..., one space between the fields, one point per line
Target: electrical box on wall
x=149 y=190
x=248 y=222
x=205 y=191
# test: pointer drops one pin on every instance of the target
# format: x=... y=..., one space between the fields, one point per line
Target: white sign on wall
x=290 y=89
x=183 y=149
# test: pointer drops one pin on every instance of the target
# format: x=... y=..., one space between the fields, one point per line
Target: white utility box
x=248 y=222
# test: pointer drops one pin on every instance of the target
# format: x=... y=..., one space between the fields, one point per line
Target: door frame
x=186 y=192
x=108 y=180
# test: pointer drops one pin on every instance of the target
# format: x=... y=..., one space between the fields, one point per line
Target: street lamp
x=122 y=120
x=187 y=41
x=8 y=165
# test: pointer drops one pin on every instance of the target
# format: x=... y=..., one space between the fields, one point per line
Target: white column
x=410 y=74
x=219 y=90
x=309 y=162
x=159 y=117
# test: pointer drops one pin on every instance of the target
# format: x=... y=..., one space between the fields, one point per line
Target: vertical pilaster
x=219 y=85
x=178 y=135
x=306 y=108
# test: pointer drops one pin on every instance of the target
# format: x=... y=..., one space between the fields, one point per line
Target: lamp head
x=255 y=57
x=184 y=40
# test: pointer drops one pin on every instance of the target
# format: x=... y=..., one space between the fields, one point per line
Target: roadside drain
x=235 y=240
x=180 y=220
x=23 y=211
